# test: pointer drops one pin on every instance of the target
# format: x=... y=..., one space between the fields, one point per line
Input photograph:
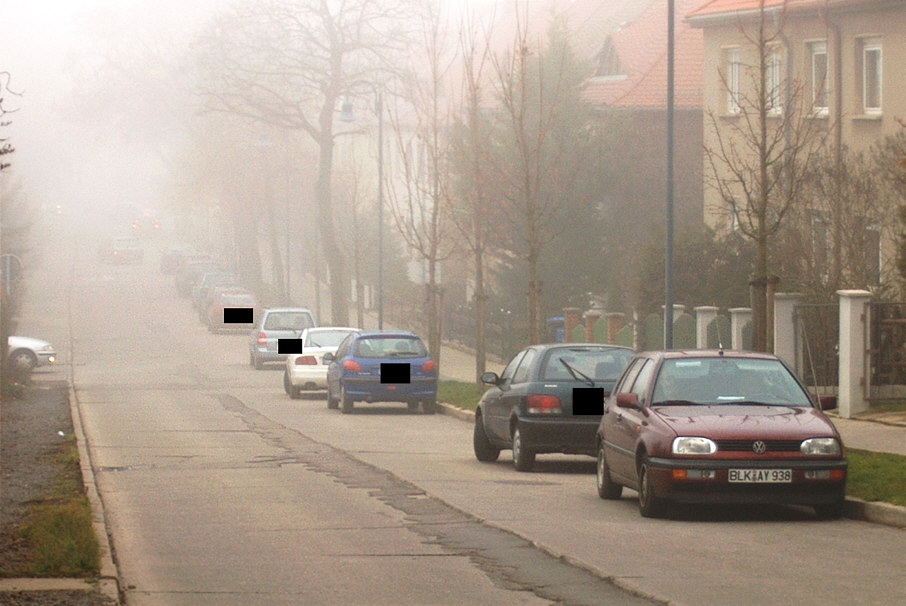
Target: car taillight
x=262 y=339
x=429 y=366
x=306 y=361
x=544 y=404
x=352 y=366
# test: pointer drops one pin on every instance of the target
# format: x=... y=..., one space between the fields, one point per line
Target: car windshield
x=727 y=380
x=287 y=320
x=238 y=300
x=599 y=364
x=390 y=347
x=325 y=338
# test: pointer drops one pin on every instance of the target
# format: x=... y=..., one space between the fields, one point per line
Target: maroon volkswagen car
x=721 y=427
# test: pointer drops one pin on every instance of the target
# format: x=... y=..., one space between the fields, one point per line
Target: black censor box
x=238 y=315
x=395 y=372
x=289 y=346
x=588 y=401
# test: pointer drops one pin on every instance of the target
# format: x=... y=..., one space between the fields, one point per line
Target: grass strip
x=59 y=530
x=876 y=476
x=459 y=393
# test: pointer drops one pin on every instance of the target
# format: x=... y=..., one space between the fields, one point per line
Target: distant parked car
x=206 y=283
x=549 y=399
x=190 y=270
x=169 y=258
x=24 y=354
x=121 y=250
x=274 y=324
x=233 y=299
x=381 y=366
x=307 y=371
x=718 y=427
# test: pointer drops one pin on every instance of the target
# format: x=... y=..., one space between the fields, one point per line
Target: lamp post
x=347 y=115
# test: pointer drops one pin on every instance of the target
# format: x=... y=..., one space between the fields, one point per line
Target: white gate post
x=704 y=315
x=785 y=329
x=739 y=317
x=854 y=323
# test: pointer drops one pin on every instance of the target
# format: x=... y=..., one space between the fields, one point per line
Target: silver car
x=274 y=324
x=27 y=353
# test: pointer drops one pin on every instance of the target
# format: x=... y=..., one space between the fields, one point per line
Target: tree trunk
x=333 y=253
x=481 y=313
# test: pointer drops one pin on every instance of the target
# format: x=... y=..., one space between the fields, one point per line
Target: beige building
x=846 y=59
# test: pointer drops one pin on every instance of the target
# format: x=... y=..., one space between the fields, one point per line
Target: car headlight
x=827 y=447
x=693 y=446
x=47 y=347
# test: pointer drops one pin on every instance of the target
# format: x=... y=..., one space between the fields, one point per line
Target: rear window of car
x=597 y=364
x=288 y=320
x=390 y=347
x=238 y=300
x=727 y=381
x=325 y=338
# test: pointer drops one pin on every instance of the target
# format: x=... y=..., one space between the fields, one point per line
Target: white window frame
x=871 y=45
x=820 y=90
x=774 y=80
x=733 y=66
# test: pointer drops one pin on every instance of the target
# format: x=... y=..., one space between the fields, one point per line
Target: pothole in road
x=508 y=560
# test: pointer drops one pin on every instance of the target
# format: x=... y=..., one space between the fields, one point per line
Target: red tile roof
x=642 y=50
x=718 y=7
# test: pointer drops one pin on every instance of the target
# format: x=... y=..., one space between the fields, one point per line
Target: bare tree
x=419 y=202
x=289 y=63
x=759 y=158
x=469 y=153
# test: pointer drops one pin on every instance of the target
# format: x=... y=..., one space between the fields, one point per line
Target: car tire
x=346 y=403
x=607 y=488
x=22 y=360
x=332 y=402
x=523 y=457
x=650 y=505
x=484 y=450
x=429 y=406
x=287 y=386
x=257 y=363
x=412 y=406
x=830 y=511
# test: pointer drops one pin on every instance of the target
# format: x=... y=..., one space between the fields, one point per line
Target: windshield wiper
x=676 y=403
x=575 y=373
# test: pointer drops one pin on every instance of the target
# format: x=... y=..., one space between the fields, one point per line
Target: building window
x=871 y=75
x=819 y=77
x=774 y=80
x=731 y=77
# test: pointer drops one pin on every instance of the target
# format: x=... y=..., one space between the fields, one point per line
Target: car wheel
x=332 y=402
x=252 y=360
x=256 y=362
x=412 y=406
x=484 y=450
x=650 y=506
x=345 y=401
x=22 y=360
x=429 y=406
x=523 y=457
x=830 y=511
x=607 y=488
x=287 y=386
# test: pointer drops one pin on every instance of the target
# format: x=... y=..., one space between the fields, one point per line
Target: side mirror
x=329 y=357
x=827 y=402
x=627 y=400
x=490 y=378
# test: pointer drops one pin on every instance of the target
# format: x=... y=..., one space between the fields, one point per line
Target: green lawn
x=460 y=394
x=876 y=476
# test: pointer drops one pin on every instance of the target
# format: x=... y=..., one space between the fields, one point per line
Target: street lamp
x=347 y=115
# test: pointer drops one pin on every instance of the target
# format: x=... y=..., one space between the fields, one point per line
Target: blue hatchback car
x=382 y=366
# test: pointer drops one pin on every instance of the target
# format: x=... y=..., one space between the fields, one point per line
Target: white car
x=307 y=371
x=27 y=353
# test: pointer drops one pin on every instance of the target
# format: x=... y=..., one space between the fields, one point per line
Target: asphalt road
x=219 y=489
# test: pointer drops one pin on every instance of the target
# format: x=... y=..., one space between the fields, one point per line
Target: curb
x=855 y=509
x=108 y=579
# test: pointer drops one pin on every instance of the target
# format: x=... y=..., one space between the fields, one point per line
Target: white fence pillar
x=785 y=329
x=739 y=318
x=704 y=315
x=854 y=323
